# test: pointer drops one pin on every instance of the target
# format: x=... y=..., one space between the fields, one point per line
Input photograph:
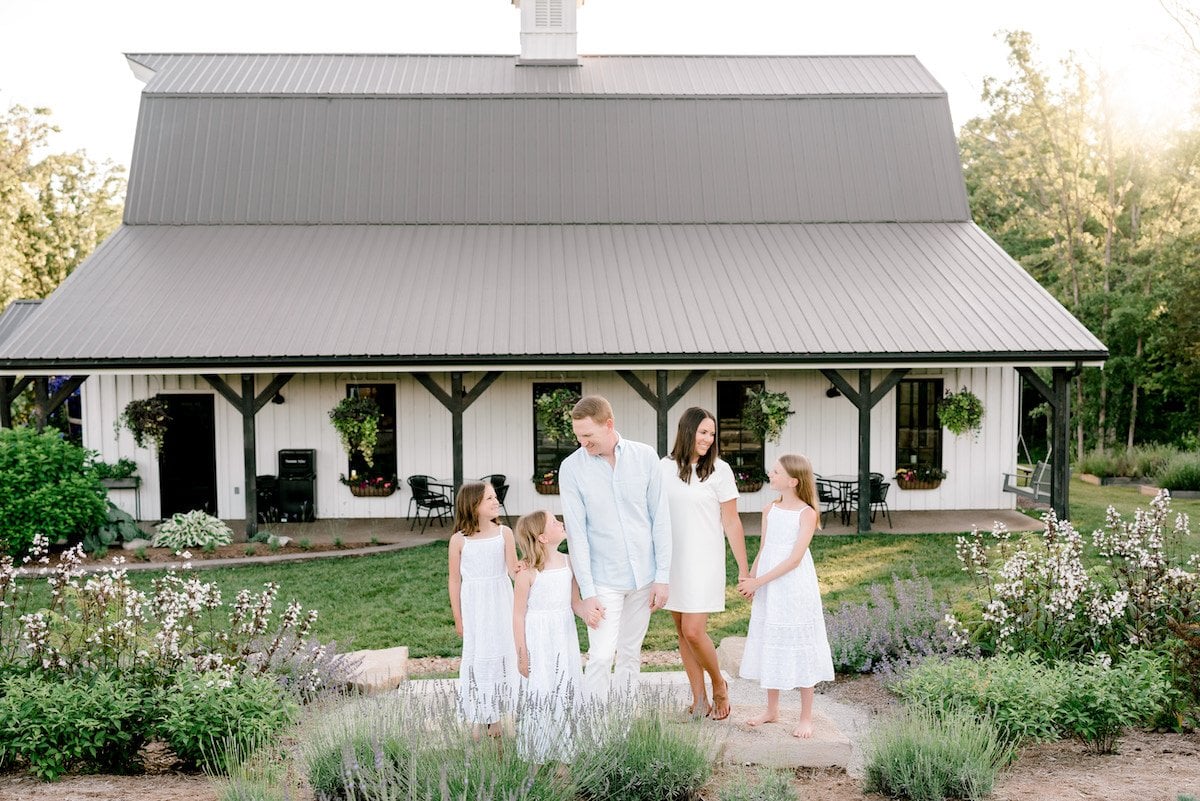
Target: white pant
x=619 y=636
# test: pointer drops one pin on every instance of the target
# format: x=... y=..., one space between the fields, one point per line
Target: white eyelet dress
x=786 y=646
x=487 y=675
x=551 y=697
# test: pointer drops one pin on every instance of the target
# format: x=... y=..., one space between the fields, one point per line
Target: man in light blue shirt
x=619 y=534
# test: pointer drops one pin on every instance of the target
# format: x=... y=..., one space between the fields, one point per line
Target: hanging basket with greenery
x=554 y=413
x=356 y=420
x=146 y=419
x=766 y=413
x=961 y=412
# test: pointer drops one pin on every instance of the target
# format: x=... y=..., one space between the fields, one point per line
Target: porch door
x=187 y=462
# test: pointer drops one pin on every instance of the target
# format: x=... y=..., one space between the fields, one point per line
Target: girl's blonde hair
x=466 y=506
x=800 y=468
x=529 y=528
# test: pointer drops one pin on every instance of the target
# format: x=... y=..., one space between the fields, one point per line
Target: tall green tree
x=55 y=208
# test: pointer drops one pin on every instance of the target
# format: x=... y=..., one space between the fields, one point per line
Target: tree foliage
x=55 y=208
x=1107 y=218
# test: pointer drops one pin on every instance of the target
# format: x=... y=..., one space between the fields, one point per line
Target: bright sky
x=67 y=54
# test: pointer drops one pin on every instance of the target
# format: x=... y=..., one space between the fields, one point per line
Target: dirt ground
x=1149 y=767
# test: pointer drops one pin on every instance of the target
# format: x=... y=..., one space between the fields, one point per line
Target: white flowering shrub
x=192 y=530
x=1042 y=597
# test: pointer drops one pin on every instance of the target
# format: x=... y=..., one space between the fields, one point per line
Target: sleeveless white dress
x=786 y=646
x=551 y=697
x=488 y=672
x=697 y=537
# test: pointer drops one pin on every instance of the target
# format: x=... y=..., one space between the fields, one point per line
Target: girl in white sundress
x=483 y=559
x=786 y=646
x=547 y=642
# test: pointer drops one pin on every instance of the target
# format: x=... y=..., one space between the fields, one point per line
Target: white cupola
x=548 y=31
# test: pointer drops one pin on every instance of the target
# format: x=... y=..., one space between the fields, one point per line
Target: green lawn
x=400 y=598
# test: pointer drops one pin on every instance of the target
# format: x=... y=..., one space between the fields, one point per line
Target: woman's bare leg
x=694 y=629
x=691 y=666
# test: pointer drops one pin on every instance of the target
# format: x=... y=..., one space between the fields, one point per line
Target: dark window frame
x=744 y=450
x=549 y=454
x=918 y=431
x=387 y=449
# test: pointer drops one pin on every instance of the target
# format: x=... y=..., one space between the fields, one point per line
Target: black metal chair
x=829 y=498
x=879 y=493
x=500 y=485
x=431 y=501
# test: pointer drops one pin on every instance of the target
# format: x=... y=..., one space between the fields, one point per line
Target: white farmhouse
x=453 y=235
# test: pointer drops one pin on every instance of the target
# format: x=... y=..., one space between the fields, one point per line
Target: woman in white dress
x=702 y=494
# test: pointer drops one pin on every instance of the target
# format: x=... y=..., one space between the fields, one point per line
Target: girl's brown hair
x=466 y=505
x=685 y=446
x=529 y=528
x=801 y=469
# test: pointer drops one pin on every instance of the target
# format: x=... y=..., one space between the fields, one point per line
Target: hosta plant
x=192 y=530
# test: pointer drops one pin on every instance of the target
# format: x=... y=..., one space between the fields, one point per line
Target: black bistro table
x=844 y=483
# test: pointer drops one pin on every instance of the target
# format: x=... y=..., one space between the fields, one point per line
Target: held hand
x=658 y=596
x=747 y=586
x=523 y=663
x=520 y=566
x=593 y=612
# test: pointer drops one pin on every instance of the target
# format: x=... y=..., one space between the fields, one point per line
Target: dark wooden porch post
x=1058 y=396
x=6 y=399
x=457 y=402
x=248 y=405
x=865 y=399
x=661 y=400
x=41 y=401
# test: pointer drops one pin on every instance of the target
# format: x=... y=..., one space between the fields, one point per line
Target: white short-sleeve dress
x=697 y=537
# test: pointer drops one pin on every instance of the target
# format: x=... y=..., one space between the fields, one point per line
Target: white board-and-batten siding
x=498 y=434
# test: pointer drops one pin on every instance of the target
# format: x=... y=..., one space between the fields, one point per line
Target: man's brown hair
x=593 y=406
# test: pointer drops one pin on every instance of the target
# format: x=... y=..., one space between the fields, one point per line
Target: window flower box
x=546 y=483
x=920 y=477
x=373 y=487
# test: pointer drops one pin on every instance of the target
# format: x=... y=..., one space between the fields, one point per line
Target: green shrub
x=927 y=756
x=192 y=530
x=1135 y=462
x=1028 y=699
x=201 y=714
x=1100 y=462
x=1151 y=460
x=1182 y=473
x=53 y=722
x=645 y=760
x=122 y=468
x=772 y=785
x=1019 y=693
x=46 y=487
x=1100 y=701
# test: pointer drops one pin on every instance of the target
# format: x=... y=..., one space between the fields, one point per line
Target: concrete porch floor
x=397 y=529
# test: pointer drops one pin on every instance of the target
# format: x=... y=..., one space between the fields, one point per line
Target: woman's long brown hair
x=685 y=446
x=800 y=468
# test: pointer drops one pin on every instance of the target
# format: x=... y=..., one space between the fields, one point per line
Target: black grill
x=297 y=485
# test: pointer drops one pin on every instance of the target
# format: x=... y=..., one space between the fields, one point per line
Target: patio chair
x=500 y=485
x=879 y=493
x=830 y=499
x=431 y=501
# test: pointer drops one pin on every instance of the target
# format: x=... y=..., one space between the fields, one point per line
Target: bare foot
x=804 y=730
x=700 y=709
x=720 y=707
x=765 y=717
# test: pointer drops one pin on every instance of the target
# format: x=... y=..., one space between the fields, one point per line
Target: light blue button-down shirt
x=617 y=518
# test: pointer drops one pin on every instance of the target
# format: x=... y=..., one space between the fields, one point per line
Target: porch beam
x=457 y=401
x=1043 y=389
x=6 y=399
x=224 y=390
x=41 y=401
x=247 y=404
x=65 y=391
x=661 y=399
x=1060 y=459
x=272 y=389
x=865 y=399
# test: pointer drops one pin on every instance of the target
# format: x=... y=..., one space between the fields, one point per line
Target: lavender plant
x=897 y=628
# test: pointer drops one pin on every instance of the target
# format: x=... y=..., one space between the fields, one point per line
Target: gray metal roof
x=307 y=160
x=153 y=297
x=15 y=315
x=448 y=75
